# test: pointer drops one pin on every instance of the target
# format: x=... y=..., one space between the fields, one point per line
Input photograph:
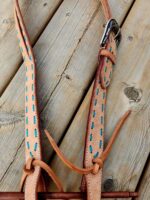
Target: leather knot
x=98 y=164
x=28 y=167
x=106 y=53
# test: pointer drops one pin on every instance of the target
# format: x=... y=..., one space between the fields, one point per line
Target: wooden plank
x=67 y=48
x=36 y=15
x=144 y=190
x=129 y=89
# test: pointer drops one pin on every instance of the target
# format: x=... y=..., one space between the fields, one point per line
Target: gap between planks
x=19 y=105
x=35 y=37
x=137 y=108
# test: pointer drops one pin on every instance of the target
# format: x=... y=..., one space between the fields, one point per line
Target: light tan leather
x=106 y=9
x=32 y=130
x=106 y=53
x=94 y=154
x=97 y=162
x=30 y=166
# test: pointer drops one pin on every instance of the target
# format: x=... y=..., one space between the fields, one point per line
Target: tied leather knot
x=106 y=53
x=98 y=164
x=28 y=168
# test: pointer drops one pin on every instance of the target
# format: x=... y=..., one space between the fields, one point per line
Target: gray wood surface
x=66 y=54
x=128 y=90
x=144 y=190
x=36 y=14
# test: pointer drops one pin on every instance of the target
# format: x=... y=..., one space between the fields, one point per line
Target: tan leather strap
x=94 y=169
x=94 y=154
x=106 y=9
x=30 y=167
x=32 y=131
x=96 y=119
x=97 y=162
x=106 y=53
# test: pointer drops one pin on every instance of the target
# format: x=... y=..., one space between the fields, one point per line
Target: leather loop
x=106 y=53
x=29 y=169
x=98 y=162
x=96 y=168
x=107 y=56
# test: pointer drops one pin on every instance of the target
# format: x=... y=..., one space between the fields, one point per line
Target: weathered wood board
x=59 y=57
x=128 y=90
x=66 y=54
x=36 y=14
x=144 y=190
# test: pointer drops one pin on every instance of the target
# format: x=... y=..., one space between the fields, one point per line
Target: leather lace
x=97 y=162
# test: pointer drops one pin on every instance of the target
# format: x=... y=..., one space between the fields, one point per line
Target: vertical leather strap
x=96 y=119
x=96 y=122
x=106 y=9
x=32 y=131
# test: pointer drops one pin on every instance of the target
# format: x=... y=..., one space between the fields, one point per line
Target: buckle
x=111 y=26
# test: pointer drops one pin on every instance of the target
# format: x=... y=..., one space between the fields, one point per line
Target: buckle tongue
x=111 y=26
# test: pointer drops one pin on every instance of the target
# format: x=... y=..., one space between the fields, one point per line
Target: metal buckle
x=111 y=26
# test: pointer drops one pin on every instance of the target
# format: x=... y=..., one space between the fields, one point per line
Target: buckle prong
x=111 y=26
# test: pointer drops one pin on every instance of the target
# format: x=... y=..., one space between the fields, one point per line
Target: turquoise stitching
x=104 y=95
x=32 y=87
x=27 y=132
x=100 y=144
x=35 y=132
x=94 y=113
x=91 y=137
x=28 y=145
x=35 y=146
x=26 y=120
x=91 y=149
x=97 y=91
x=33 y=107
x=31 y=154
x=102 y=120
x=26 y=109
x=32 y=97
x=30 y=57
x=95 y=102
x=34 y=119
x=102 y=107
x=26 y=98
x=101 y=131
x=96 y=154
x=92 y=125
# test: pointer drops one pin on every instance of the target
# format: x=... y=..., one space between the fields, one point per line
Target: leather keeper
x=107 y=55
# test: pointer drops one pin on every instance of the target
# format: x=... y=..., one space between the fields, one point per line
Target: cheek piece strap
x=95 y=154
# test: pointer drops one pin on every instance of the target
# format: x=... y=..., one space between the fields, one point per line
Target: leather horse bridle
x=95 y=155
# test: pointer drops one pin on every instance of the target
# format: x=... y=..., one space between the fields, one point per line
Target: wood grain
x=67 y=48
x=144 y=190
x=129 y=90
x=36 y=14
